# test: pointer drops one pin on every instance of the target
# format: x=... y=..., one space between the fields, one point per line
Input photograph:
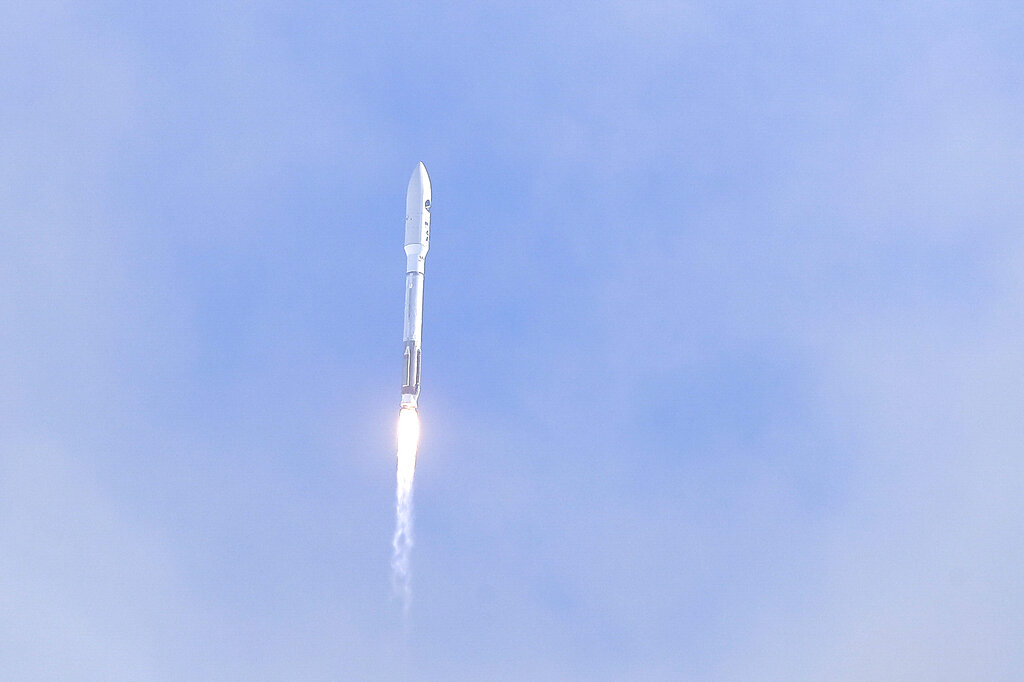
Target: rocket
x=417 y=241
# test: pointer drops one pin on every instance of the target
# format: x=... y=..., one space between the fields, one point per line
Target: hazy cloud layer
x=722 y=372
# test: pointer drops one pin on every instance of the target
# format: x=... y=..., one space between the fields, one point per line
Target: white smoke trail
x=408 y=441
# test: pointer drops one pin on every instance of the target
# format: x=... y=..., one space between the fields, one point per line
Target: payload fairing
x=417 y=241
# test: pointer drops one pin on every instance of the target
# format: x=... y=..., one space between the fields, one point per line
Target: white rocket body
x=417 y=241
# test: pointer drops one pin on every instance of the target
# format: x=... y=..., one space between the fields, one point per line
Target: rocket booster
x=417 y=241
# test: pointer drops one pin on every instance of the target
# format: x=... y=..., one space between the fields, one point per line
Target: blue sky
x=722 y=365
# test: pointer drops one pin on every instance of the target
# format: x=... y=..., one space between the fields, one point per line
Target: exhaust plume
x=408 y=441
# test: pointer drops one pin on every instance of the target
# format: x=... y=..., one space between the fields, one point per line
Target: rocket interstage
x=417 y=242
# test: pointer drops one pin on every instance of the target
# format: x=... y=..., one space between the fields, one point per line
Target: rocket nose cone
x=419 y=183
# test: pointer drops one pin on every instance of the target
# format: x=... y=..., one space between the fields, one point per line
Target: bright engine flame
x=408 y=441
